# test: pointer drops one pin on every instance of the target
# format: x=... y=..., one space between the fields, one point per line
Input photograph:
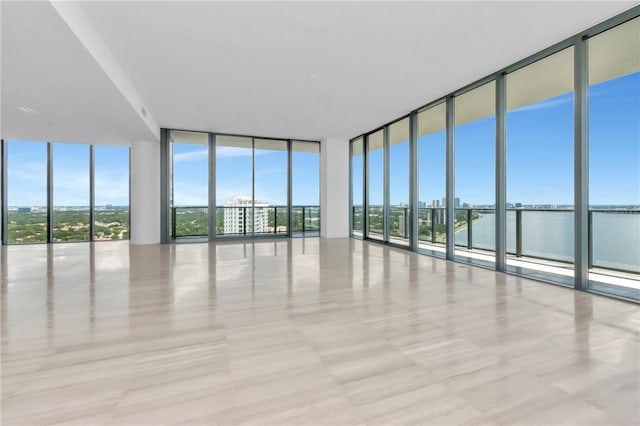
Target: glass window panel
x=111 y=193
x=399 y=182
x=614 y=160
x=475 y=175
x=270 y=195
x=234 y=185
x=540 y=168
x=357 y=188
x=375 y=183
x=432 y=180
x=190 y=187
x=305 y=165
x=71 y=192
x=26 y=192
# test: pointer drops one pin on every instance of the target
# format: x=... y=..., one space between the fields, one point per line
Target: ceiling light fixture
x=26 y=110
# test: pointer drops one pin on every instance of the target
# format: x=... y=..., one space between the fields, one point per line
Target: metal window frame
x=253 y=189
x=289 y=191
x=385 y=184
x=351 y=235
x=581 y=151
x=49 y=192
x=3 y=193
x=501 y=175
x=165 y=182
x=365 y=182
x=129 y=207
x=414 y=201
x=581 y=164
x=213 y=208
x=92 y=192
x=450 y=177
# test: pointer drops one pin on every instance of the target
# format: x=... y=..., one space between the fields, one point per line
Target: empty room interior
x=320 y=213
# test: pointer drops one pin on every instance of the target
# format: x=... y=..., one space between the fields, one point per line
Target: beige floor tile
x=303 y=332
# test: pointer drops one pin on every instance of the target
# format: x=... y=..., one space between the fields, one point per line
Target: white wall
x=334 y=188
x=145 y=192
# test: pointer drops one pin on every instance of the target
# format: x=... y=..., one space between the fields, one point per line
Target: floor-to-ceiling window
x=557 y=129
x=111 y=168
x=71 y=192
x=540 y=179
x=190 y=184
x=305 y=187
x=398 y=211
x=357 y=187
x=614 y=160
x=270 y=186
x=234 y=185
x=375 y=185
x=432 y=180
x=51 y=183
x=26 y=192
x=475 y=175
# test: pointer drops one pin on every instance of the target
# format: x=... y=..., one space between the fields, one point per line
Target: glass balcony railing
x=193 y=221
x=614 y=240
x=544 y=234
x=189 y=221
x=305 y=219
x=376 y=222
x=357 y=221
x=399 y=222
x=432 y=225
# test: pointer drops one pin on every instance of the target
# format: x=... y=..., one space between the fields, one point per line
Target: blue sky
x=27 y=174
x=539 y=162
x=234 y=179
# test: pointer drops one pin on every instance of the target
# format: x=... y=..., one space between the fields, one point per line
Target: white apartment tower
x=239 y=220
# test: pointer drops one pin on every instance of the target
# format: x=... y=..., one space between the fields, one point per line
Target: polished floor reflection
x=303 y=331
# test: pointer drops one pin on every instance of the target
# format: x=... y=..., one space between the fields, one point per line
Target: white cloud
x=221 y=152
x=545 y=104
x=191 y=156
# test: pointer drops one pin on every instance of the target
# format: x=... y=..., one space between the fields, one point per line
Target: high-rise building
x=241 y=218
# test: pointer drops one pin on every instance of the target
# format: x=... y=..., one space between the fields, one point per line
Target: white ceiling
x=304 y=70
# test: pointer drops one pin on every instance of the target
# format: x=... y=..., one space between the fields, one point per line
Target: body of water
x=616 y=236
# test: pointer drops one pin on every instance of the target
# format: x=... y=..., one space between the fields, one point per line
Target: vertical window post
x=581 y=166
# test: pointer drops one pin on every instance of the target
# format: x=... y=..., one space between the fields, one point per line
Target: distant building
x=457 y=202
x=518 y=205
x=24 y=209
x=238 y=220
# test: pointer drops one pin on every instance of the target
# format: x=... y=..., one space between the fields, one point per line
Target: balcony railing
x=193 y=221
x=545 y=234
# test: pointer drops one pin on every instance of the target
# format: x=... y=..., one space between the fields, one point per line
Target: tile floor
x=303 y=332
